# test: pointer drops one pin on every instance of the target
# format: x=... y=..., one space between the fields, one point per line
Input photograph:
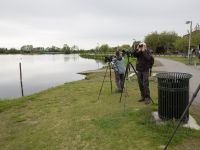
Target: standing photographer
x=142 y=66
x=119 y=69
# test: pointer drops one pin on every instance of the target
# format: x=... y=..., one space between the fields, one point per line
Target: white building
x=27 y=48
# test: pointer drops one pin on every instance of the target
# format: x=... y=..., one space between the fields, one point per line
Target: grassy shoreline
x=70 y=117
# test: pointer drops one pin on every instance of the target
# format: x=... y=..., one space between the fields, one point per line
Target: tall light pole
x=190 y=37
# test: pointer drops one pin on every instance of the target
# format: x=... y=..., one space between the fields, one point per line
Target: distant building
x=38 y=49
x=27 y=48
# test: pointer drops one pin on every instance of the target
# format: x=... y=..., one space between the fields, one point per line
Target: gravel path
x=174 y=66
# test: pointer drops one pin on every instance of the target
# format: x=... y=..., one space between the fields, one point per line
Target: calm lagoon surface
x=40 y=72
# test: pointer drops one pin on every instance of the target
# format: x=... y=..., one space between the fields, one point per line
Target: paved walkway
x=174 y=66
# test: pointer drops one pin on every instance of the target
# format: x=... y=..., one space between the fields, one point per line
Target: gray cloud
x=86 y=22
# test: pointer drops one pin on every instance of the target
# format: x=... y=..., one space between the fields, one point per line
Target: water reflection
x=66 y=59
x=40 y=72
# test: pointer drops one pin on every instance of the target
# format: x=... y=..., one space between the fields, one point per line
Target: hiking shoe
x=141 y=100
x=147 y=101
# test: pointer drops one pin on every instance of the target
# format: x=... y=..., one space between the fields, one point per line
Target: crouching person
x=119 y=69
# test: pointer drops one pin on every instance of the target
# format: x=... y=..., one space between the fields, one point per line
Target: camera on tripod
x=127 y=53
x=108 y=59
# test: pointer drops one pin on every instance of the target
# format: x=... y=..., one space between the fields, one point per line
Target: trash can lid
x=173 y=75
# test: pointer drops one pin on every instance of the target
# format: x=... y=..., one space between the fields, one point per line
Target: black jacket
x=143 y=60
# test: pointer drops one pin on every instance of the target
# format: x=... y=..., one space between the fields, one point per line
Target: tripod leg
x=139 y=79
x=126 y=94
x=152 y=100
x=103 y=82
x=126 y=74
x=183 y=115
x=135 y=71
x=110 y=77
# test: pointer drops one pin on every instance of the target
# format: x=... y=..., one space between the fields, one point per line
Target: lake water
x=40 y=72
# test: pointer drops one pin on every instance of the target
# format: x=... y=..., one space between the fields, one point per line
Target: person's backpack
x=151 y=62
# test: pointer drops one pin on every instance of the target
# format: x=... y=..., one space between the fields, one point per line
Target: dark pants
x=119 y=79
x=143 y=80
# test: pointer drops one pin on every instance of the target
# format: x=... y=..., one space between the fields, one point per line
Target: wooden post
x=20 y=69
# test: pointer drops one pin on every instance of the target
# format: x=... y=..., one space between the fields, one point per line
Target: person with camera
x=119 y=69
x=143 y=65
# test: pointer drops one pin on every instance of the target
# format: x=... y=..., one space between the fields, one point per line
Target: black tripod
x=183 y=115
x=128 y=66
x=108 y=67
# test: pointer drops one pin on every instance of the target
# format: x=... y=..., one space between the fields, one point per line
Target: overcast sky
x=88 y=22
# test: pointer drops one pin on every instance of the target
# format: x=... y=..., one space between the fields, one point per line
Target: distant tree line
x=29 y=49
x=105 y=48
x=159 y=43
x=170 y=42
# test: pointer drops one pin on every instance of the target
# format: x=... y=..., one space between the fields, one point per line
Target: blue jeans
x=143 y=80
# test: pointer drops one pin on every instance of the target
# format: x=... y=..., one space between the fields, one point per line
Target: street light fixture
x=190 y=37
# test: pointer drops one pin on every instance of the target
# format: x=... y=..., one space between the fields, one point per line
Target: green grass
x=102 y=57
x=70 y=117
x=96 y=56
x=182 y=59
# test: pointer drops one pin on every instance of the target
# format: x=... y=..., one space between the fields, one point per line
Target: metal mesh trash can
x=173 y=95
